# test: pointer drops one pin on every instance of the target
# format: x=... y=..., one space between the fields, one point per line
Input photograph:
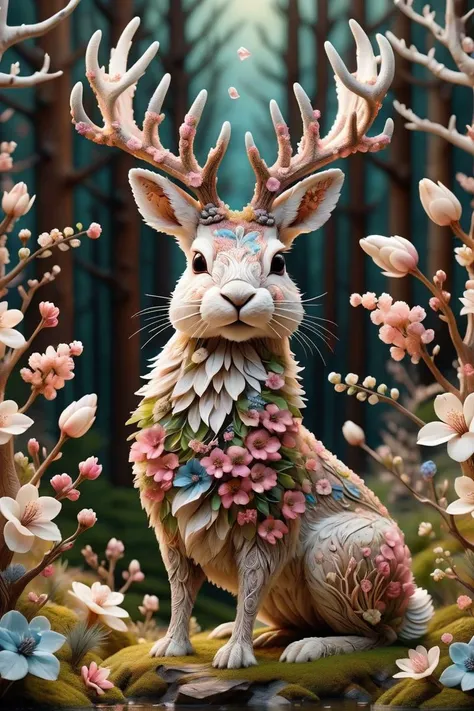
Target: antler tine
x=10 y=35
x=359 y=95
x=114 y=92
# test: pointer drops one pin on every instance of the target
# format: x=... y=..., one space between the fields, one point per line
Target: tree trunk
x=54 y=135
x=125 y=237
x=400 y=212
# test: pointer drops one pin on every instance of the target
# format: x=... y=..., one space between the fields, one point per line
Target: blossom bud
x=90 y=468
x=115 y=549
x=150 y=603
x=353 y=434
x=394 y=393
x=351 y=379
x=94 y=230
x=425 y=528
x=439 y=203
x=17 y=201
x=334 y=378
x=49 y=313
x=33 y=447
x=24 y=253
x=395 y=255
x=78 y=417
x=86 y=518
x=48 y=571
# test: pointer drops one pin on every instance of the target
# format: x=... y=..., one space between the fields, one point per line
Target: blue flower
x=193 y=481
x=28 y=648
x=337 y=492
x=462 y=671
x=428 y=470
x=256 y=402
x=310 y=499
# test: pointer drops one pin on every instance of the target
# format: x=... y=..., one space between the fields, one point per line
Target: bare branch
x=449 y=133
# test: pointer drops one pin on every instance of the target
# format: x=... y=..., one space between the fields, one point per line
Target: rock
x=214 y=691
x=354 y=692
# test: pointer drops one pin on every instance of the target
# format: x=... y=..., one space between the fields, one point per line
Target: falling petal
x=243 y=53
x=233 y=93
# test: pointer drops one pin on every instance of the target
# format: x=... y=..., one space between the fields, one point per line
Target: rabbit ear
x=307 y=205
x=164 y=206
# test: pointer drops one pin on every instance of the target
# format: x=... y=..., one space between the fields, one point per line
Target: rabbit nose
x=238 y=293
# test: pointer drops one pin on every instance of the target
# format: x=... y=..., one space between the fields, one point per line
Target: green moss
x=450 y=699
x=295 y=692
x=132 y=668
x=445 y=616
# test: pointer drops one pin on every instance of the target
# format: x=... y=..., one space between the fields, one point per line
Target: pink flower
x=76 y=348
x=240 y=458
x=156 y=492
x=369 y=301
x=464 y=602
x=197 y=446
x=62 y=485
x=134 y=572
x=162 y=469
x=251 y=418
x=366 y=552
x=152 y=441
x=447 y=638
x=86 y=518
x=323 y=487
x=294 y=504
x=49 y=313
x=273 y=184
x=229 y=436
x=90 y=469
x=271 y=529
x=276 y=420
x=394 y=590
x=217 y=463
x=263 y=478
x=235 y=491
x=312 y=464
x=355 y=300
x=136 y=453
x=94 y=231
x=384 y=568
x=115 y=549
x=366 y=585
x=274 y=381
x=95 y=677
x=33 y=447
x=262 y=446
x=247 y=516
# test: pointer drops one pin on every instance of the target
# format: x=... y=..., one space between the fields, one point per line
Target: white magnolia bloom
x=420 y=663
x=395 y=255
x=29 y=516
x=9 y=318
x=79 y=416
x=17 y=201
x=100 y=602
x=467 y=301
x=439 y=203
x=353 y=434
x=454 y=428
x=464 y=487
x=12 y=422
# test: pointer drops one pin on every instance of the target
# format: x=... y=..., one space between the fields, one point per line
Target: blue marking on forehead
x=241 y=239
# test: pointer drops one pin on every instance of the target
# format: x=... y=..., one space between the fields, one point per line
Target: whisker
x=147 y=326
x=292 y=333
x=155 y=296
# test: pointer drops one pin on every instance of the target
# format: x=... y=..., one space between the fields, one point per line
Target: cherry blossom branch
x=439 y=377
x=33 y=395
x=7 y=366
x=49 y=459
x=25 y=262
x=394 y=403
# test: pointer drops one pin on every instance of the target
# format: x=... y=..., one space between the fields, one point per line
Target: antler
x=114 y=92
x=10 y=35
x=360 y=97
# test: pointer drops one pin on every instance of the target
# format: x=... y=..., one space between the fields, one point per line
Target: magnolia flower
x=353 y=434
x=439 y=203
x=12 y=422
x=96 y=678
x=464 y=487
x=454 y=428
x=9 y=318
x=17 y=202
x=29 y=516
x=79 y=416
x=419 y=664
x=467 y=300
x=395 y=255
x=100 y=602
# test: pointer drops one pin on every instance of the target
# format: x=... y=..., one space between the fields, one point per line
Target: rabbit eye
x=278 y=264
x=199 y=264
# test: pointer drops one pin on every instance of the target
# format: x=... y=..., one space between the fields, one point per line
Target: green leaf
x=282 y=465
x=276 y=493
x=243 y=405
x=239 y=442
x=276 y=399
x=294 y=411
x=276 y=367
x=172 y=442
x=262 y=505
x=286 y=481
x=216 y=502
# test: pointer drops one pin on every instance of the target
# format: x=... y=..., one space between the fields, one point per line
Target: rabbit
x=238 y=491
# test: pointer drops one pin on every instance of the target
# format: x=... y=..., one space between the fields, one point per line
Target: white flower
x=17 y=202
x=353 y=434
x=9 y=318
x=101 y=603
x=420 y=663
x=395 y=255
x=12 y=422
x=438 y=575
x=464 y=256
x=373 y=617
x=28 y=517
x=467 y=300
x=79 y=416
x=439 y=203
x=464 y=487
x=454 y=428
x=425 y=528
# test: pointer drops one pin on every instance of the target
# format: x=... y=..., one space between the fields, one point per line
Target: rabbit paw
x=234 y=655
x=169 y=647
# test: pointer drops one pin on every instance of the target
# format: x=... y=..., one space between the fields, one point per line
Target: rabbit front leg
x=185 y=580
x=256 y=565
